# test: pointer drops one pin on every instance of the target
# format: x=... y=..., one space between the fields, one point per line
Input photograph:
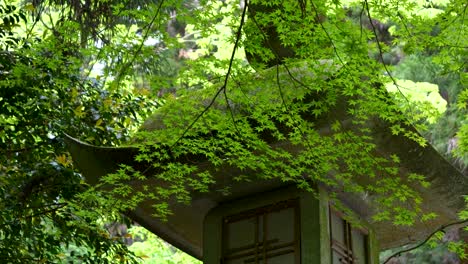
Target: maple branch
x=223 y=87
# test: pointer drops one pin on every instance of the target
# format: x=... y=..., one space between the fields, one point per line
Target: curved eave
x=95 y=162
x=183 y=229
x=444 y=196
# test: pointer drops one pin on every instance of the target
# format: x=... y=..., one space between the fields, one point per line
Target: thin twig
x=379 y=46
x=36 y=19
x=277 y=56
x=58 y=206
x=425 y=240
x=226 y=78
x=335 y=49
x=142 y=43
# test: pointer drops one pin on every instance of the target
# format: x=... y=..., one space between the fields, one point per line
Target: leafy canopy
x=229 y=115
x=216 y=105
x=43 y=94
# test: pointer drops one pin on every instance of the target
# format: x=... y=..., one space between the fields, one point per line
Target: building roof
x=184 y=228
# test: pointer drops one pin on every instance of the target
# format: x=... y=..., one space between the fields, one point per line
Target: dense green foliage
x=216 y=105
x=44 y=94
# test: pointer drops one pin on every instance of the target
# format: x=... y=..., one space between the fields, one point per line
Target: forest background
x=97 y=69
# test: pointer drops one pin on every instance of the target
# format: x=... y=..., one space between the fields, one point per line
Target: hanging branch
x=226 y=78
x=379 y=46
x=140 y=46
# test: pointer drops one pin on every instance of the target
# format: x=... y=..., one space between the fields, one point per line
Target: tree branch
x=425 y=240
x=226 y=78
x=142 y=43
